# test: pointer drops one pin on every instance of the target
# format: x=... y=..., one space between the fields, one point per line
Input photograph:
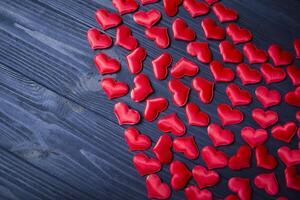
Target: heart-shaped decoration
x=264 y=118
x=290 y=157
x=205 y=178
x=162 y=149
x=237 y=34
x=125 y=6
x=280 y=56
x=142 y=88
x=125 y=115
x=241 y=186
x=194 y=193
x=113 y=88
x=98 y=40
x=171 y=7
x=264 y=159
x=195 y=8
x=285 y=132
x=293 y=97
x=157 y=189
x=171 y=123
x=187 y=146
x=248 y=75
x=204 y=88
x=107 y=20
x=267 y=97
x=147 y=19
x=181 y=31
x=212 y=30
x=125 y=39
x=294 y=74
x=159 y=35
x=179 y=91
x=145 y=165
x=241 y=159
x=254 y=137
x=254 y=55
x=220 y=73
x=237 y=96
x=135 y=140
x=180 y=175
x=219 y=136
x=272 y=74
x=195 y=116
x=155 y=106
x=160 y=65
x=184 y=67
x=230 y=53
x=201 y=50
x=268 y=182
x=224 y=14
x=214 y=158
x=106 y=64
x=292 y=178
x=229 y=116
x=135 y=60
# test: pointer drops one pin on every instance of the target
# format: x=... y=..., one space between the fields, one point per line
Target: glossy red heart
x=184 y=67
x=224 y=14
x=255 y=55
x=293 y=97
x=205 y=178
x=237 y=96
x=272 y=74
x=147 y=18
x=268 y=182
x=171 y=7
x=230 y=53
x=294 y=74
x=160 y=65
x=212 y=30
x=241 y=159
x=145 y=2
x=179 y=91
x=195 y=8
x=114 y=88
x=254 y=137
x=289 y=157
x=221 y=73
x=98 y=40
x=135 y=60
x=195 y=116
x=247 y=74
x=214 y=158
x=157 y=189
x=125 y=115
x=145 y=165
x=180 y=175
x=125 y=6
x=284 y=132
x=297 y=47
x=171 y=123
x=125 y=39
x=201 y=50
x=159 y=35
x=106 y=64
x=229 y=116
x=194 y=193
x=237 y=34
x=241 y=186
x=135 y=140
x=292 y=178
x=205 y=89
x=264 y=118
x=267 y=97
x=107 y=19
x=162 y=149
x=142 y=88
x=181 y=31
x=154 y=106
x=264 y=159
x=187 y=146
x=279 y=55
x=219 y=136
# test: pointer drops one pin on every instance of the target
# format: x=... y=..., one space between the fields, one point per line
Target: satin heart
x=179 y=91
x=279 y=55
x=201 y=50
x=212 y=30
x=285 y=132
x=145 y=2
x=106 y=19
x=219 y=136
x=171 y=123
x=229 y=116
x=125 y=6
x=194 y=193
x=180 y=175
x=241 y=186
x=204 y=88
x=237 y=96
x=268 y=182
x=241 y=159
x=289 y=157
x=160 y=65
x=224 y=14
x=147 y=19
x=159 y=35
x=195 y=116
x=145 y=165
x=135 y=140
x=181 y=31
x=292 y=178
x=125 y=39
x=264 y=159
x=272 y=74
x=106 y=64
x=267 y=97
x=221 y=73
x=114 y=88
x=254 y=137
x=293 y=97
x=171 y=7
x=187 y=146
x=135 y=60
x=142 y=88
x=248 y=75
x=162 y=149
x=184 y=67
x=125 y=115
x=297 y=47
x=155 y=106
x=229 y=53
x=237 y=34
x=264 y=118
x=210 y=2
x=205 y=178
x=195 y=8
x=294 y=74
x=214 y=158
x=157 y=189
x=254 y=55
x=98 y=40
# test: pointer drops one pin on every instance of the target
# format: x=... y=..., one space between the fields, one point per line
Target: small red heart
x=98 y=40
x=254 y=55
x=157 y=189
x=204 y=88
x=194 y=193
x=221 y=73
x=205 y=178
x=201 y=50
x=254 y=137
x=293 y=97
x=125 y=39
x=264 y=159
x=241 y=159
x=125 y=115
x=210 y=2
x=184 y=67
x=135 y=60
x=142 y=88
x=241 y=186
x=214 y=158
x=285 y=132
x=147 y=18
x=279 y=55
x=292 y=178
x=264 y=118
x=212 y=30
x=229 y=116
x=159 y=35
x=219 y=136
x=145 y=2
x=297 y=47
x=179 y=91
x=107 y=20
x=160 y=65
x=237 y=34
x=181 y=31
x=294 y=74
x=195 y=8
x=272 y=74
x=114 y=88
x=187 y=146
x=289 y=157
x=171 y=123
x=171 y=7
x=125 y=6
x=135 y=140
x=155 y=106
x=267 y=97
x=237 y=96
x=106 y=64
x=145 y=165
x=180 y=175
x=195 y=116
x=247 y=74
x=268 y=182
x=224 y=14
x=162 y=149
x=230 y=53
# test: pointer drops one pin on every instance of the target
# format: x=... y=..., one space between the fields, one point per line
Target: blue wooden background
x=58 y=136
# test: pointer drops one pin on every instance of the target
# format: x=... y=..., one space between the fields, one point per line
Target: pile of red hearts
x=164 y=148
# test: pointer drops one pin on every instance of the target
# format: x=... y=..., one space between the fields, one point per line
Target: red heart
x=264 y=118
x=142 y=88
x=107 y=20
x=135 y=60
x=125 y=115
x=230 y=53
x=241 y=186
x=280 y=56
x=145 y=165
x=248 y=75
x=205 y=178
x=179 y=91
x=159 y=35
x=171 y=123
x=254 y=137
x=106 y=64
x=293 y=97
x=184 y=67
x=219 y=136
x=229 y=116
x=289 y=157
x=194 y=193
x=204 y=88
x=292 y=178
x=225 y=14
x=221 y=73
x=181 y=31
x=286 y=132
x=237 y=34
x=241 y=159
x=114 y=88
x=210 y=2
x=154 y=106
x=268 y=182
x=180 y=175
x=162 y=149
x=145 y=2
x=297 y=47
x=171 y=7
x=135 y=140
x=213 y=158
x=195 y=8
x=298 y=118
x=187 y=146
x=160 y=65
x=212 y=30
x=195 y=116
x=272 y=74
x=237 y=96
x=147 y=18
x=294 y=74
x=264 y=159
x=125 y=39
x=267 y=97
x=254 y=54
x=201 y=50
x=98 y=40
x=125 y=6
x=157 y=189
